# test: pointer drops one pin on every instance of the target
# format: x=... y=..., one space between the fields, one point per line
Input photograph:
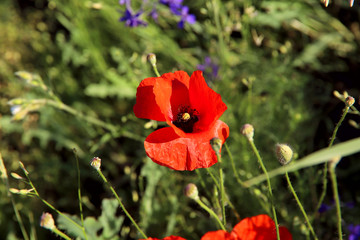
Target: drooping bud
x=349 y=101
x=284 y=153
x=96 y=163
x=47 y=221
x=248 y=131
x=191 y=191
x=151 y=57
x=216 y=144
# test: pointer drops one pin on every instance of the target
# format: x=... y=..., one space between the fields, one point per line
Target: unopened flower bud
x=349 y=101
x=216 y=144
x=151 y=57
x=47 y=221
x=248 y=131
x=23 y=168
x=16 y=176
x=96 y=163
x=191 y=191
x=284 y=153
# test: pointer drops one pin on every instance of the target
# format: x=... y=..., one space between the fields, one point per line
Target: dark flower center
x=186 y=118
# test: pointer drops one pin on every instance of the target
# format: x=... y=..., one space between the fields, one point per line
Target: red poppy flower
x=166 y=238
x=260 y=227
x=191 y=109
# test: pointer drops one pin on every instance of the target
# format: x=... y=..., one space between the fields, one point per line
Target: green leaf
x=321 y=156
x=108 y=218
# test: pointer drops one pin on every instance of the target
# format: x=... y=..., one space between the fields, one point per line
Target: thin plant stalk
x=323 y=193
x=79 y=195
x=233 y=164
x=36 y=193
x=60 y=233
x=4 y=176
x=211 y=212
x=269 y=186
x=213 y=178
x=120 y=203
x=222 y=190
x=336 y=197
x=300 y=206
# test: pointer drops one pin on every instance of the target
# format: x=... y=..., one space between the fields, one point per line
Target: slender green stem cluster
x=120 y=202
x=269 y=186
x=211 y=212
x=79 y=195
x=4 y=176
x=300 y=206
x=222 y=190
x=336 y=195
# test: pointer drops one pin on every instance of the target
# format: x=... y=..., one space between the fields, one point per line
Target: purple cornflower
x=132 y=20
x=186 y=17
x=324 y=207
x=209 y=68
x=153 y=14
x=354 y=232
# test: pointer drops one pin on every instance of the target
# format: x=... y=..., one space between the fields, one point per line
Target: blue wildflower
x=354 y=232
x=132 y=20
x=324 y=208
x=209 y=68
x=186 y=17
x=153 y=14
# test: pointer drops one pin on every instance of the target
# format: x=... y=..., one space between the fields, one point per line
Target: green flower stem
x=121 y=204
x=79 y=195
x=211 y=212
x=227 y=197
x=213 y=178
x=156 y=70
x=36 y=193
x=300 y=206
x=222 y=190
x=323 y=193
x=61 y=234
x=4 y=176
x=233 y=164
x=269 y=186
x=336 y=197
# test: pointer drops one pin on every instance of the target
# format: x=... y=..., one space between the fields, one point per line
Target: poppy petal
x=260 y=227
x=146 y=106
x=216 y=235
x=205 y=100
x=171 y=91
x=166 y=238
x=193 y=151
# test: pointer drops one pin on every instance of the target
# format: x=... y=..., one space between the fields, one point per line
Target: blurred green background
x=279 y=62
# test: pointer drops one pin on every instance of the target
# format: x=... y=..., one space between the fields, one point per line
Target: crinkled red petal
x=217 y=235
x=260 y=227
x=166 y=238
x=193 y=151
x=146 y=106
x=205 y=100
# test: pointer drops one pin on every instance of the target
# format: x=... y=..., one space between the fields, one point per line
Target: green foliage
x=108 y=223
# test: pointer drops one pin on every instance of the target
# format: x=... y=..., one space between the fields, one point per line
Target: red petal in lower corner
x=146 y=106
x=217 y=235
x=260 y=227
x=194 y=151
